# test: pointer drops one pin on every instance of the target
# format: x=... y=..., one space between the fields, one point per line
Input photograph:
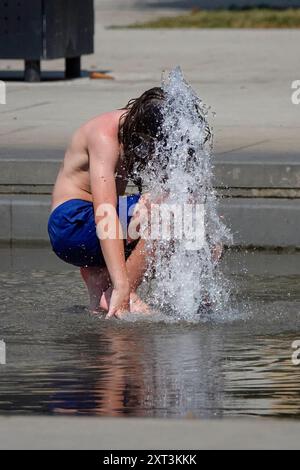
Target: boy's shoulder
x=99 y=132
x=99 y=135
x=105 y=124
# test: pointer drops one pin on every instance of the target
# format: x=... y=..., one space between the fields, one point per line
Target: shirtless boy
x=100 y=161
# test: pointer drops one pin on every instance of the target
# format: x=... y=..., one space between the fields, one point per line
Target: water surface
x=61 y=360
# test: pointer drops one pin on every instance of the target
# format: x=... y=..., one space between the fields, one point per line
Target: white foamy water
x=182 y=169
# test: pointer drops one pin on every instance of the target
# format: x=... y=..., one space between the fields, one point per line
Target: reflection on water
x=62 y=360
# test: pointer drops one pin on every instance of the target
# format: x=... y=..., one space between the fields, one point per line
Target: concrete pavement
x=245 y=76
x=55 y=433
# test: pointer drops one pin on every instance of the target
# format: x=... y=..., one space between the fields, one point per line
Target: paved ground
x=94 y=433
x=124 y=12
x=245 y=76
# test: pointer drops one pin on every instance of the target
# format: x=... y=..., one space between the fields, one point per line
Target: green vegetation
x=247 y=18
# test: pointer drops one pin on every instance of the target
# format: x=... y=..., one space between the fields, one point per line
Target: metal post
x=32 y=71
x=73 y=67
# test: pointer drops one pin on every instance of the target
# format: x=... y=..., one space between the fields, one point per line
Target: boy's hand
x=119 y=301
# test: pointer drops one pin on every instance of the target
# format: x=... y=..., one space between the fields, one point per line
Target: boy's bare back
x=102 y=154
x=74 y=178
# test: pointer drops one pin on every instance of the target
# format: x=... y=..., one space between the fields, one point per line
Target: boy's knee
x=145 y=202
x=145 y=199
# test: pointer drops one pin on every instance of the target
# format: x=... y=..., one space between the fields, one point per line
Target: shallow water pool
x=61 y=360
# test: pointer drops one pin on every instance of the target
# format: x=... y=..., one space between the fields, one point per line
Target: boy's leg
x=141 y=257
x=97 y=281
x=137 y=265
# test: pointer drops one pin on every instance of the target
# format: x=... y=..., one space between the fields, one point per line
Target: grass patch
x=254 y=18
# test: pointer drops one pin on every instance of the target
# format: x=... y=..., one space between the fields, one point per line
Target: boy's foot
x=137 y=306
x=97 y=281
x=105 y=299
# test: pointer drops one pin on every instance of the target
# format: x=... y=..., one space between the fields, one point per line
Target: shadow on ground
x=46 y=76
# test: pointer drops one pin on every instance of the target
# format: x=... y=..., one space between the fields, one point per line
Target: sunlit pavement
x=97 y=434
x=245 y=76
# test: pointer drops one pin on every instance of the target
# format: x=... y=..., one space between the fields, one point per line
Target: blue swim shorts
x=72 y=230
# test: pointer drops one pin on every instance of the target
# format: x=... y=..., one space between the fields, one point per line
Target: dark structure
x=36 y=30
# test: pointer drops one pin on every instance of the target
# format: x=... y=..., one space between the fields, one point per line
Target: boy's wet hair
x=140 y=127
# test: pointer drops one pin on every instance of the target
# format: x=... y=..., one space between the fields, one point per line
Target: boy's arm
x=103 y=155
x=137 y=264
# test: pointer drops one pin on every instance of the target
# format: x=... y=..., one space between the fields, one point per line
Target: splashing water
x=185 y=279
